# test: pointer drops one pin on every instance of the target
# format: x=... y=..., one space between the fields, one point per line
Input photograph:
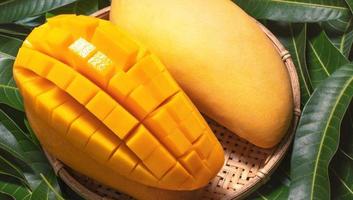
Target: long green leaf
x=350 y=4
x=341 y=176
x=14 y=30
x=346 y=144
x=323 y=57
x=9 y=93
x=14 y=188
x=80 y=7
x=9 y=144
x=316 y=140
x=15 y=10
x=343 y=41
x=295 y=10
x=9 y=45
x=32 y=154
x=9 y=169
x=44 y=188
x=341 y=167
x=5 y=196
x=31 y=22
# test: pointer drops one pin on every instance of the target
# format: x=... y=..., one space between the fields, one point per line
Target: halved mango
x=105 y=94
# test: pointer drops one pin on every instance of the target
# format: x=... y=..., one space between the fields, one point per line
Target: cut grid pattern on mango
x=107 y=95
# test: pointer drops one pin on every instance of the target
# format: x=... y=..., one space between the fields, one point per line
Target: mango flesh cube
x=58 y=40
x=193 y=162
x=123 y=53
x=202 y=174
x=36 y=37
x=102 y=110
x=64 y=115
x=82 y=89
x=120 y=85
x=213 y=160
x=142 y=143
x=162 y=87
x=141 y=102
x=100 y=68
x=123 y=160
x=161 y=130
x=120 y=122
x=160 y=161
x=102 y=144
x=144 y=70
x=39 y=66
x=80 y=51
x=176 y=108
x=105 y=94
x=192 y=127
x=24 y=76
x=48 y=101
x=201 y=144
x=176 y=175
x=61 y=75
x=34 y=88
x=142 y=173
x=177 y=143
x=82 y=129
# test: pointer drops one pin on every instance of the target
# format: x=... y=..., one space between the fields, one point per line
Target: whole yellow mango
x=220 y=57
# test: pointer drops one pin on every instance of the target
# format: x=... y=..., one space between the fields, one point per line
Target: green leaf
x=350 y=4
x=44 y=188
x=80 y=7
x=5 y=196
x=341 y=176
x=346 y=144
x=9 y=169
x=9 y=143
x=343 y=41
x=9 y=93
x=16 y=10
x=41 y=192
x=103 y=3
x=31 y=22
x=14 y=188
x=323 y=57
x=341 y=167
x=9 y=45
x=14 y=30
x=30 y=152
x=295 y=10
x=317 y=136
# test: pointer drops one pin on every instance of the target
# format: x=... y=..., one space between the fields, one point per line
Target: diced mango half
x=108 y=96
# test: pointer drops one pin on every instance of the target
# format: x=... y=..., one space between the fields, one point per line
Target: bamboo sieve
x=246 y=166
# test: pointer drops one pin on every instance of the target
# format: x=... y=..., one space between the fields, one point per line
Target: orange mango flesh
x=106 y=96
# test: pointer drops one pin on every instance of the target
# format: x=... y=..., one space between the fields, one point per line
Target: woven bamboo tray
x=246 y=166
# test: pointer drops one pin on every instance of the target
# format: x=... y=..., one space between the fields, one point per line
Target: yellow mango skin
x=115 y=103
x=220 y=57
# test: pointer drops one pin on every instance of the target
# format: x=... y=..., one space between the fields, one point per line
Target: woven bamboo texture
x=246 y=166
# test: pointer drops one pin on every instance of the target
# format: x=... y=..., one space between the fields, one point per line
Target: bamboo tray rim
x=265 y=172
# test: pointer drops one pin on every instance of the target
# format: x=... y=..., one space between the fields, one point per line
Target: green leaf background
x=319 y=36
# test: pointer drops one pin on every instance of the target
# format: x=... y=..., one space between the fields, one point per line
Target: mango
x=220 y=57
x=104 y=105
